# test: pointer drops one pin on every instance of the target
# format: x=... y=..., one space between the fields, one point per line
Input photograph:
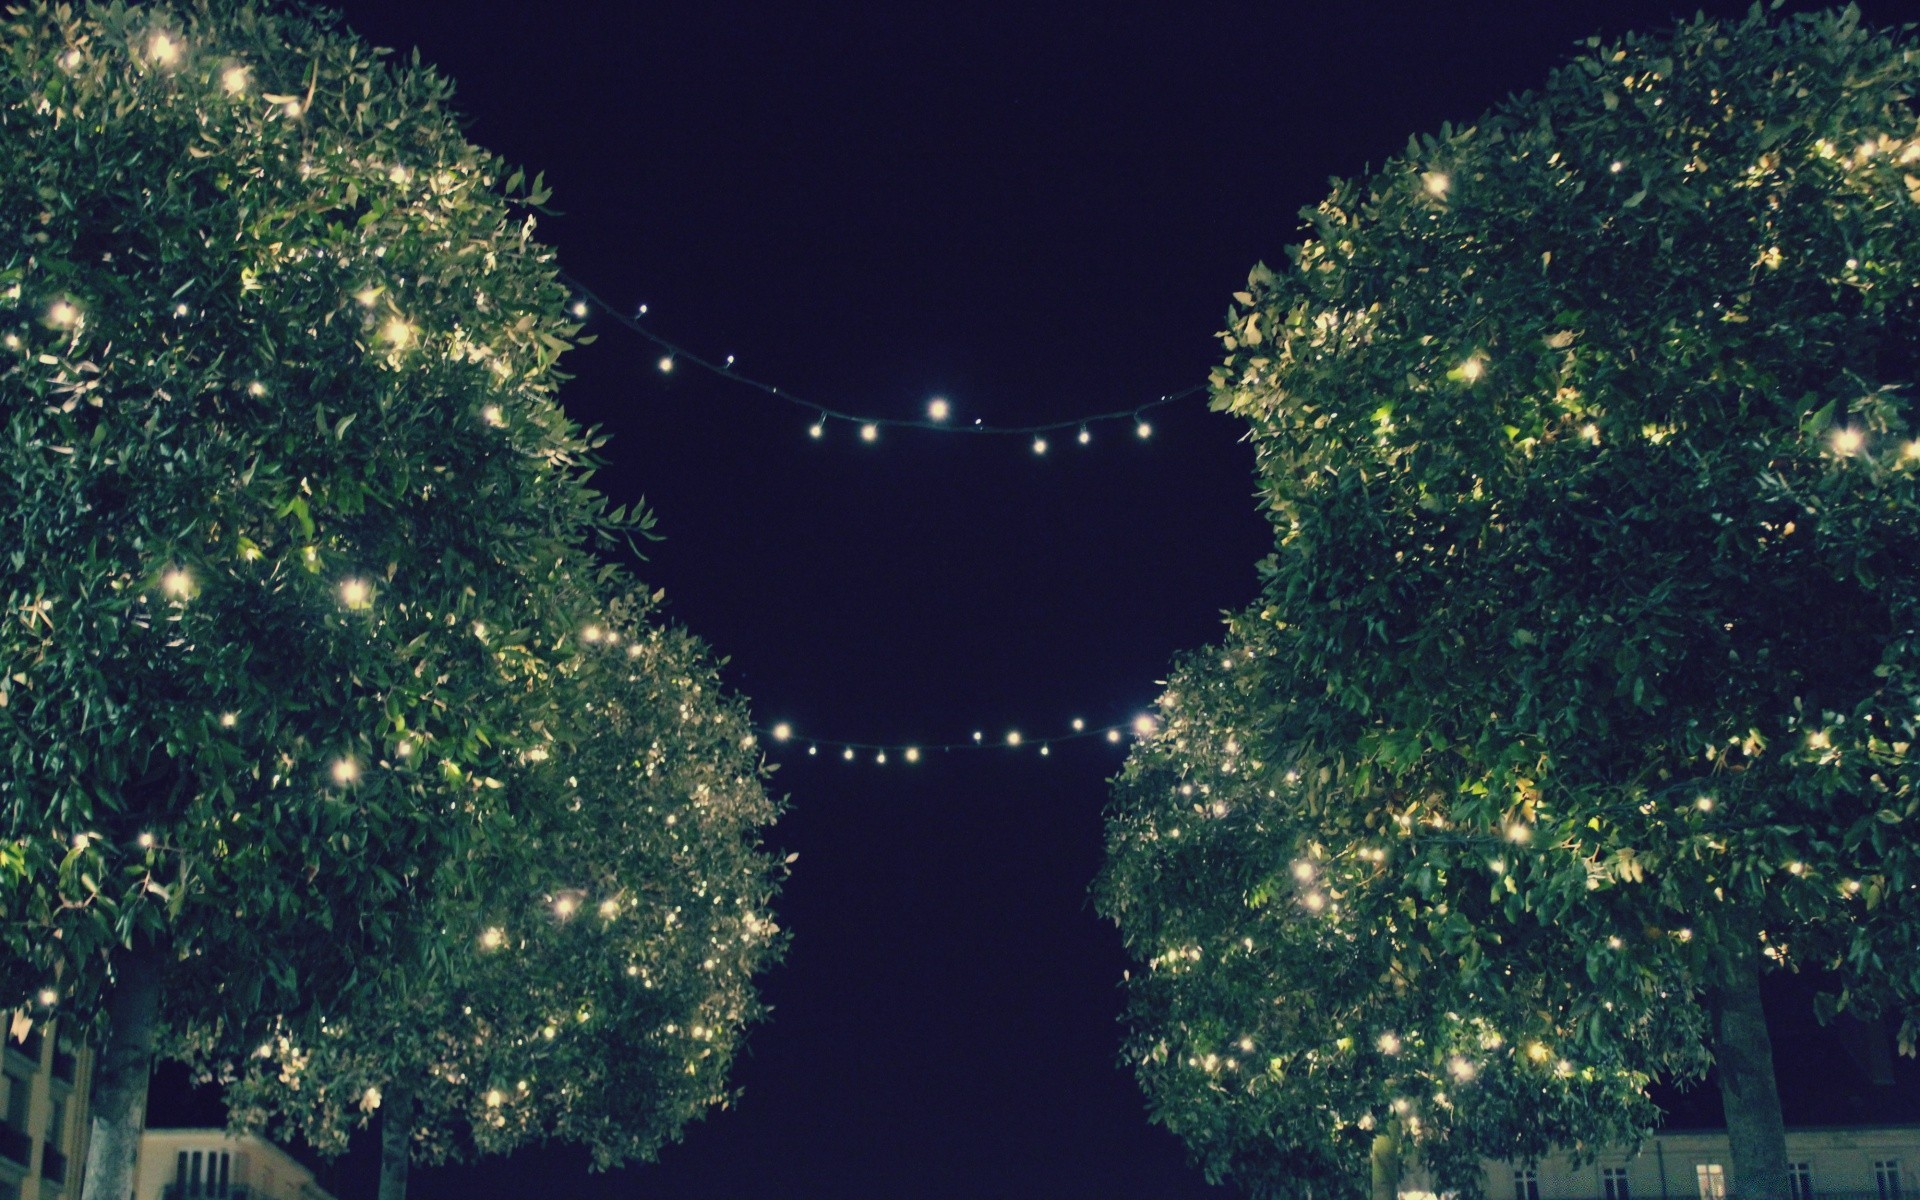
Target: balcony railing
x=53 y=1164
x=15 y=1145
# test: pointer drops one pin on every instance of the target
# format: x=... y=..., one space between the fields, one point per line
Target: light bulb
x=234 y=79
x=1849 y=440
x=493 y=415
x=356 y=593
x=1078 y=725
x=563 y=906
x=869 y=432
x=666 y=364
x=1143 y=725
x=782 y=732
x=881 y=758
x=1039 y=445
x=1389 y=1043
x=228 y=720
x=913 y=754
x=163 y=49
x=1045 y=750
x=580 y=308
x=938 y=409
x=1013 y=737
x=492 y=939
x=1113 y=735
x=345 y=770
x=177 y=583
x=847 y=754
x=49 y=997
x=63 y=314
x=1437 y=182
x=816 y=429
x=1143 y=430
x=1472 y=369
x=146 y=841
x=1085 y=437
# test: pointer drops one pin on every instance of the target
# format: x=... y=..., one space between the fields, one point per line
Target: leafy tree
x=594 y=972
x=289 y=515
x=1330 y=991
x=1588 y=436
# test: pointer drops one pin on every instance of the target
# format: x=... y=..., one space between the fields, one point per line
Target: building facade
x=1864 y=1162
x=212 y=1164
x=43 y=1112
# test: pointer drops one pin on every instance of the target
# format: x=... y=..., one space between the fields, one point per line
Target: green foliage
x=288 y=509
x=1588 y=436
x=594 y=976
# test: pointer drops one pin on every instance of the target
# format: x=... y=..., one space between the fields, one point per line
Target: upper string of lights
x=880 y=754
x=939 y=412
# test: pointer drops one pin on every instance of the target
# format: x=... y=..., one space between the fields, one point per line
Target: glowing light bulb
x=1045 y=750
x=592 y=633
x=782 y=732
x=293 y=109
x=1519 y=834
x=1704 y=804
x=63 y=314
x=1460 y=1069
x=938 y=409
x=1039 y=445
x=847 y=754
x=163 y=49
x=181 y=310
x=913 y=754
x=1144 y=725
x=493 y=939
x=234 y=79
x=356 y=593
x=609 y=909
x=666 y=364
x=1013 y=737
x=1303 y=870
x=816 y=429
x=579 y=308
x=564 y=906
x=370 y=1099
x=1085 y=437
x=177 y=583
x=1113 y=735
x=1143 y=431
x=869 y=432
x=1472 y=369
x=493 y=415
x=397 y=332
x=256 y=388
x=495 y=1097
x=1849 y=440
x=813 y=750
x=1078 y=725
x=1616 y=166
x=1388 y=1042
x=881 y=758
x=977 y=735
x=48 y=997
x=146 y=841
x=345 y=770
x=228 y=720
x=1438 y=183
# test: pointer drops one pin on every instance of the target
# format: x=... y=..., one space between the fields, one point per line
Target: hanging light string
x=783 y=735
x=939 y=411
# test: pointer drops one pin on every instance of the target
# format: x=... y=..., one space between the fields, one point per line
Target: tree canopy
x=299 y=545
x=592 y=975
x=1587 y=433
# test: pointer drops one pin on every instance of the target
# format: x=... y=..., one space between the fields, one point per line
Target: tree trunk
x=1743 y=1060
x=1385 y=1164
x=396 y=1142
x=120 y=1077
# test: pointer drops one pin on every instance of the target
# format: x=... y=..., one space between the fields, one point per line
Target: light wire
x=677 y=353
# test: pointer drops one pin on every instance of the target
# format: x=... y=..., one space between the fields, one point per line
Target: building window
x=16 y=1101
x=1613 y=1184
x=1886 y=1178
x=1713 y=1181
x=199 y=1174
x=1800 y=1180
x=1526 y=1183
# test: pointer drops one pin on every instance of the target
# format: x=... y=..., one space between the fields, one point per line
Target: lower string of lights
x=940 y=414
x=880 y=754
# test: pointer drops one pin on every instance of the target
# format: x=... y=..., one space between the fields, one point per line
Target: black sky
x=1035 y=210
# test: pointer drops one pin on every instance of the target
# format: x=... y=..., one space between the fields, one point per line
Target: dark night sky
x=1035 y=210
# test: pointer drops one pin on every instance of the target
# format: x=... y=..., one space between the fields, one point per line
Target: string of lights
x=940 y=413
x=783 y=734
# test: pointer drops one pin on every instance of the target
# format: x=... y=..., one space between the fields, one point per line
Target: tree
x=593 y=974
x=1588 y=437
x=1329 y=992
x=289 y=509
